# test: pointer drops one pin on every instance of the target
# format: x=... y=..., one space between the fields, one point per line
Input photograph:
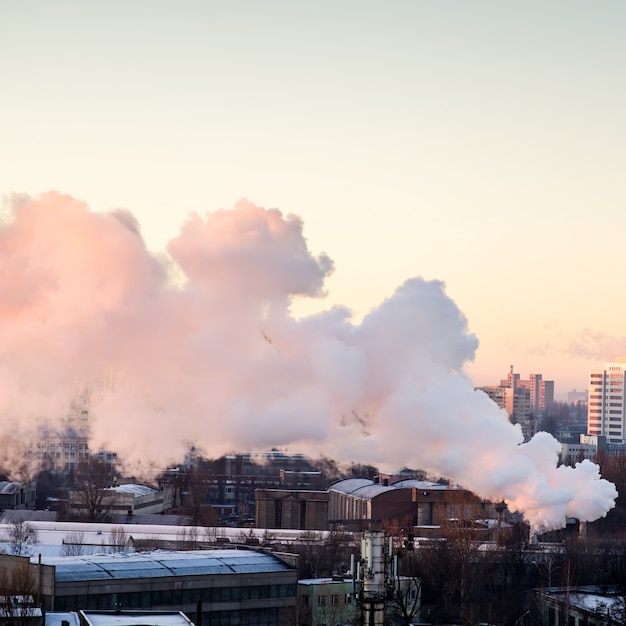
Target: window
x=334 y=599
x=348 y=598
x=321 y=600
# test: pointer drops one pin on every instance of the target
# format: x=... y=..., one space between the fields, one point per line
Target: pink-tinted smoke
x=219 y=361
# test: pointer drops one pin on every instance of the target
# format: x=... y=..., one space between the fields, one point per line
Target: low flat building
x=129 y=499
x=580 y=606
x=133 y=618
x=326 y=601
x=117 y=618
x=229 y=586
x=17 y=496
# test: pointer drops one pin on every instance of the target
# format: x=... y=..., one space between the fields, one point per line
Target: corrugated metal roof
x=368 y=489
x=162 y=564
x=349 y=485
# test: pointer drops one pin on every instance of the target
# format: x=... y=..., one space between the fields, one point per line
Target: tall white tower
x=375 y=577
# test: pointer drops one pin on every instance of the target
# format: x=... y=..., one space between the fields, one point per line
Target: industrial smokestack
x=375 y=577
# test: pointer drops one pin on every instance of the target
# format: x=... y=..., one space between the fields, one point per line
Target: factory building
x=17 y=495
x=361 y=503
x=291 y=509
x=225 y=586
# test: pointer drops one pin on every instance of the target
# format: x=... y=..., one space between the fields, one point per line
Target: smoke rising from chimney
x=218 y=360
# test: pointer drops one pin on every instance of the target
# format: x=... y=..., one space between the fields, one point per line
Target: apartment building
x=606 y=414
x=64 y=444
x=523 y=400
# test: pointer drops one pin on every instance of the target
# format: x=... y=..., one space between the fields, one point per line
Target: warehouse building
x=361 y=503
x=225 y=586
x=17 y=496
x=291 y=509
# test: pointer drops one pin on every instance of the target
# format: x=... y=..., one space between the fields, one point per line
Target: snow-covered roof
x=589 y=599
x=56 y=618
x=136 y=618
x=324 y=581
x=8 y=487
x=409 y=483
x=136 y=490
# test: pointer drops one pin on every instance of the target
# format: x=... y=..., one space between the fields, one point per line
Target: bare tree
x=214 y=534
x=118 y=539
x=405 y=603
x=322 y=556
x=21 y=537
x=73 y=544
x=18 y=591
x=147 y=544
x=187 y=538
x=90 y=490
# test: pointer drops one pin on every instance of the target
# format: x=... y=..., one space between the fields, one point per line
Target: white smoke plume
x=219 y=360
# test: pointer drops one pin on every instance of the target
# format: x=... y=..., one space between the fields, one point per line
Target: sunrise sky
x=477 y=143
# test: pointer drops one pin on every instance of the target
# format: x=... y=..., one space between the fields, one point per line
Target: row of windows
x=171 y=598
x=275 y=616
x=62 y=444
x=334 y=599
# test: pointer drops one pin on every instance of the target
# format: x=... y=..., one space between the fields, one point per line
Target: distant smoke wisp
x=220 y=361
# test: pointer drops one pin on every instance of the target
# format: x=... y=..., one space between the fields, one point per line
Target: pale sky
x=482 y=144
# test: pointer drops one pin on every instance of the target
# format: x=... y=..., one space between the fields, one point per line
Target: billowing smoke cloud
x=218 y=360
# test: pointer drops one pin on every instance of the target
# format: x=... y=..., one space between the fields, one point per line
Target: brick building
x=291 y=509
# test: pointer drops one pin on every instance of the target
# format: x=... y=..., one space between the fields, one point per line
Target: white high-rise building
x=607 y=409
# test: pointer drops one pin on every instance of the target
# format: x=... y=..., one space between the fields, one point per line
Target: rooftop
x=11 y=486
x=163 y=564
x=137 y=490
x=368 y=489
x=136 y=618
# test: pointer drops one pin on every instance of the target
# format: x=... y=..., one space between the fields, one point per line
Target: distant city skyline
x=479 y=144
